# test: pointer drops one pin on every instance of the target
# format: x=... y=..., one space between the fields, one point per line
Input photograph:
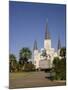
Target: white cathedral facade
x=44 y=57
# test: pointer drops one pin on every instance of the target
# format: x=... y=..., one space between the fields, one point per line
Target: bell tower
x=47 y=39
x=36 y=55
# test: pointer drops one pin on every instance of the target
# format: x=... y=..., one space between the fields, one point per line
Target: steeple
x=59 y=43
x=35 y=45
x=47 y=34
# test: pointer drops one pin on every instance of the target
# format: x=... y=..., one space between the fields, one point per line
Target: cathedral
x=43 y=58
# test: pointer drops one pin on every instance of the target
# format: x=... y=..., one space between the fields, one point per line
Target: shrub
x=28 y=67
x=60 y=68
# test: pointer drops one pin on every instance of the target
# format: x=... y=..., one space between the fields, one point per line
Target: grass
x=19 y=74
x=31 y=79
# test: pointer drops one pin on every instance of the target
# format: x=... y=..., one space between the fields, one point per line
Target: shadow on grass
x=50 y=78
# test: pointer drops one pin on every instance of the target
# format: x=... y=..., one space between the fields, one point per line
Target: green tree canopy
x=56 y=60
x=25 y=54
x=13 y=62
x=60 y=68
x=12 y=57
x=63 y=52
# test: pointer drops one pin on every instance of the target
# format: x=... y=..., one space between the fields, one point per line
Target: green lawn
x=31 y=79
x=19 y=74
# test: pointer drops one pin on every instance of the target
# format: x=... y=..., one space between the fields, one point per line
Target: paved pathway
x=35 y=79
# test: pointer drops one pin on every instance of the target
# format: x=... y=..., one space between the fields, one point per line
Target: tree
x=29 y=67
x=56 y=65
x=25 y=54
x=63 y=68
x=63 y=52
x=12 y=62
x=63 y=62
x=56 y=61
x=44 y=53
x=59 y=68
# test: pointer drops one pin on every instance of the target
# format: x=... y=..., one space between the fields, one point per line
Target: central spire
x=47 y=35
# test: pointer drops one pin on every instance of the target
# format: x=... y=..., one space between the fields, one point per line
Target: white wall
x=47 y=44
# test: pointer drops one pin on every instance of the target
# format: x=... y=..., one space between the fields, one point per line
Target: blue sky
x=27 y=23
